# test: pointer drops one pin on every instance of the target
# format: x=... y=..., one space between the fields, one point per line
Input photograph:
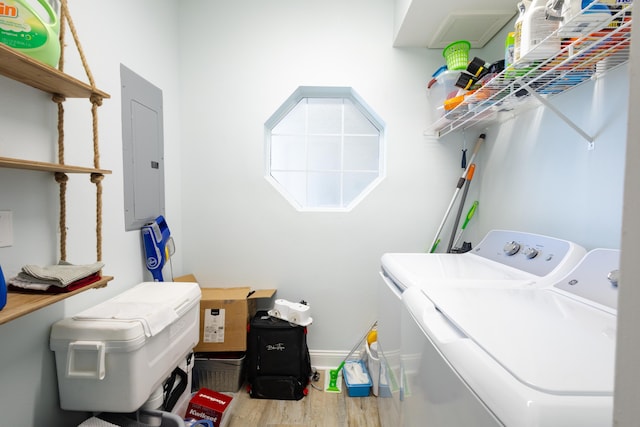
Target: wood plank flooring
x=318 y=409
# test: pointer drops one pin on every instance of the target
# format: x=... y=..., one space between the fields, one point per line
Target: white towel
x=153 y=317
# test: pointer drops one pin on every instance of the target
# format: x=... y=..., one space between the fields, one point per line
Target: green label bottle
x=23 y=29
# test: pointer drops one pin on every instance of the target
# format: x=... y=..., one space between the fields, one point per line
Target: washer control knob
x=613 y=277
x=511 y=248
x=531 y=253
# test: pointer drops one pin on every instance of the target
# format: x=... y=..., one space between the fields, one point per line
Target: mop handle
x=470 y=214
x=459 y=185
x=353 y=350
x=333 y=373
x=472 y=169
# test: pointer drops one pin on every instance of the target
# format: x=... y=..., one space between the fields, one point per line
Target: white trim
x=329 y=359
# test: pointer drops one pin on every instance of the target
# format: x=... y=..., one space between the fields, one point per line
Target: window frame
x=323 y=92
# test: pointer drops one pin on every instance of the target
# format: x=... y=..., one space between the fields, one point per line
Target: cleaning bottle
x=517 y=33
x=539 y=40
x=582 y=17
x=24 y=29
x=509 y=45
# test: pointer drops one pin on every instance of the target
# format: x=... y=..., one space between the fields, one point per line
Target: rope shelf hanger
x=96 y=101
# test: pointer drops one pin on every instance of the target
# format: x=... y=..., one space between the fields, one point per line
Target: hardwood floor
x=318 y=409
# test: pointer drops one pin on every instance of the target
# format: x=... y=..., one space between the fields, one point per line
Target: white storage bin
x=443 y=89
x=113 y=356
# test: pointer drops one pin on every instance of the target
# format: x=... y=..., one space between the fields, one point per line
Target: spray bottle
x=539 y=39
x=24 y=29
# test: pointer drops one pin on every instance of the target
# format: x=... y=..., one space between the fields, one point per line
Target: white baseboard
x=327 y=359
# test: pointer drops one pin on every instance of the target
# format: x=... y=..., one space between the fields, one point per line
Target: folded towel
x=26 y=283
x=60 y=274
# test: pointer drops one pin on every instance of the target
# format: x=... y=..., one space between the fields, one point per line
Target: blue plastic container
x=358 y=389
x=3 y=290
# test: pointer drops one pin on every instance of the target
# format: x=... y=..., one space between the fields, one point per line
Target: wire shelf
x=581 y=58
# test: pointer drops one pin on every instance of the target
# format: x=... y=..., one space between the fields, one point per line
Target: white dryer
x=503 y=256
x=513 y=356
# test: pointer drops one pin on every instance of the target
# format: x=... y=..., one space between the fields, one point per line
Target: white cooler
x=113 y=356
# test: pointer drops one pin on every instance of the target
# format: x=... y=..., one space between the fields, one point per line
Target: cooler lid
x=547 y=341
x=145 y=309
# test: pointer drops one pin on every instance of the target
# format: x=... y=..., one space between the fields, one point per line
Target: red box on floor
x=208 y=405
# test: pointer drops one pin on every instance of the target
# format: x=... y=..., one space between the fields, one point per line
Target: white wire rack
x=582 y=57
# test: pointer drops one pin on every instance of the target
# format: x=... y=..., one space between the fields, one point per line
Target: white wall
x=223 y=72
x=240 y=231
x=111 y=33
x=240 y=61
x=536 y=173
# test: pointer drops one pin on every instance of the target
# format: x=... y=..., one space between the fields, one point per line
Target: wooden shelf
x=20 y=304
x=24 y=69
x=6 y=162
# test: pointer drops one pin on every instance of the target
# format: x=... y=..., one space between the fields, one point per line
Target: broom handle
x=454 y=227
x=459 y=185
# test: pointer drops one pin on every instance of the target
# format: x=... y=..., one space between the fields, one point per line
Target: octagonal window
x=324 y=149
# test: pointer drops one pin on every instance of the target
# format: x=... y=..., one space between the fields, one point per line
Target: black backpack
x=278 y=362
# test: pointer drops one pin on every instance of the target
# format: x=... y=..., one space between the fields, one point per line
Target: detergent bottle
x=24 y=29
x=517 y=33
x=582 y=17
x=539 y=40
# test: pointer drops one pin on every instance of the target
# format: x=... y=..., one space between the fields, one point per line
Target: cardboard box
x=208 y=405
x=224 y=316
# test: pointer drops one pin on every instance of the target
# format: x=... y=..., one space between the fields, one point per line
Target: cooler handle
x=85 y=359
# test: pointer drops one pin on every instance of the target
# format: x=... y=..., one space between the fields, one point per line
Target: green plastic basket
x=457 y=55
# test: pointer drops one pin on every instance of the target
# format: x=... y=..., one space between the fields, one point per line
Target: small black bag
x=278 y=362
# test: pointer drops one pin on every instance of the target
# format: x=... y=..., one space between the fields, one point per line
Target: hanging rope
x=96 y=178
x=96 y=101
x=64 y=11
x=62 y=178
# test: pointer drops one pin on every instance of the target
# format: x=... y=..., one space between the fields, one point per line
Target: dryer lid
x=547 y=341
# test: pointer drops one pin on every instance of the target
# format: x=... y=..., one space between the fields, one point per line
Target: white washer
x=503 y=256
x=513 y=356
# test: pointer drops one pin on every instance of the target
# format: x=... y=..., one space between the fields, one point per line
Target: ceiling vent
x=478 y=27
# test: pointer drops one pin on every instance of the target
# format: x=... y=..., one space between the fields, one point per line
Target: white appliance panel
x=433 y=392
x=545 y=340
x=503 y=259
x=389 y=309
x=511 y=402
